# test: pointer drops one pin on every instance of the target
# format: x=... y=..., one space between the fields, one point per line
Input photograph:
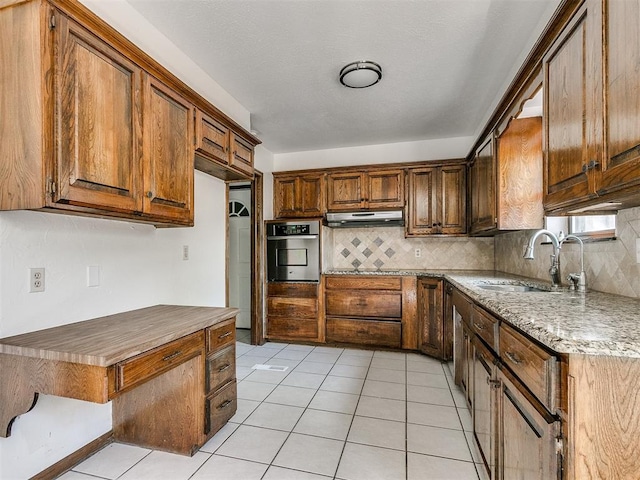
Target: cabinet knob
x=585 y=167
x=149 y=194
x=593 y=164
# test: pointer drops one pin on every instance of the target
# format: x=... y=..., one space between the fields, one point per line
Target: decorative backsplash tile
x=610 y=266
x=386 y=248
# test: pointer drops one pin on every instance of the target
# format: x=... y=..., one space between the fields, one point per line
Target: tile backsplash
x=386 y=248
x=610 y=265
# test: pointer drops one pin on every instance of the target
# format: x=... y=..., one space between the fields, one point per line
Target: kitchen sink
x=511 y=288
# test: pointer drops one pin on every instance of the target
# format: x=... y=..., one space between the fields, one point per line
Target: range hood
x=387 y=218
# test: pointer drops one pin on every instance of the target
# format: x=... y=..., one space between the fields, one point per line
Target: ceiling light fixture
x=360 y=74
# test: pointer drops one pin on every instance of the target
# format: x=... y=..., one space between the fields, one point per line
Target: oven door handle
x=292 y=237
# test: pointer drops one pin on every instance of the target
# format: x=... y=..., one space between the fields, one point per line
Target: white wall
x=375 y=154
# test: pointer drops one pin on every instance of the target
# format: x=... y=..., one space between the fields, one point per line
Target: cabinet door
x=345 y=191
x=385 y=189
x=285 y=196
x=483 y=190
x=421 y=206
x=569 y=100
x=621 y=80
x=212 y=138
x=168 y=152
x=484 y=404
x=241 y=155
x=97 y=111
x=312 y=195
x=452 y=202
x=430 y=319
x=527 y=440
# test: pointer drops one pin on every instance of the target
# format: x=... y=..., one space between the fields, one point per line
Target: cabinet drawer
x=219 y=408
x=357 y=282
x=221 y=368
x=154 y=362
x=219 y=336
x=364 y=304
x=485 y=326
x=212 y=138
x=364 y=332
x=292 y=307
x=534 y=366
x=241 y=155
x=293 y=328
x=287 y=289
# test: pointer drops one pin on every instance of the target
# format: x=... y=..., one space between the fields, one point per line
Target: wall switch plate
x=185 y=252
x=93 y=276
x=36 y=280
x=418 y=253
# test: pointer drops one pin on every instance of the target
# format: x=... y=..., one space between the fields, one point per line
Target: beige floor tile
x=354 y=360
x=230 y=469
x=304 y=380
x=218 y=439
x=321 y=357
x=324 y=424
x=358 y=352
x=433 y=415
x=378 y=432
x=279 y=473
x=342 y=384
x=364 y=462
x=314 y=367
x=112 y=461
x=267 y=376
x=427 y=380
x=374 y=388
x=276 y=417
x=256 y=391
x=389 y=363
x=166 y=466
x=245 y=407
x=334 y=402
x=386 y=375
x=350 y=371
x=439 y=468
x=310 y=454
x=71 y=475
x=253 y=444
x=440 y=442
x=381 y=408
x=293 y=396
x=432 y=395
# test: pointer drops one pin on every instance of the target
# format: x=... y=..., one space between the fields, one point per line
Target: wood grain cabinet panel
x=241 y=155
x=220 y=368
x=368 y=332
x=299 y=196
x=220 y=336
x=293 y=311
x=482 y=173
x=431 y=321
x=97 y=94
x=220 y=407
x=484 y=412
x=385 y=189
x=212 y=138
x=346 y=191
x=485 y=326
x=436 y=200
x=377 y=304
x=360 y=189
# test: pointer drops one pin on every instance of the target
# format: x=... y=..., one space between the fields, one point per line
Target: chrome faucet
x=554 y=269
x=578 y=280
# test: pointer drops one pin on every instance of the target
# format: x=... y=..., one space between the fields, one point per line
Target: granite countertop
x=593 y=323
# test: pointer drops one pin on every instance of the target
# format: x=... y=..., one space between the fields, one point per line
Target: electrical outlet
x=36 y=280
x=185 y=252
x=418 y=252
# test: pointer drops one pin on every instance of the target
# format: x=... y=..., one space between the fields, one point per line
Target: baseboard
x=68 y=462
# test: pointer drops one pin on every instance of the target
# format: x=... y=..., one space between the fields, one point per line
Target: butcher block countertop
x=108 y=340
x=592 y=323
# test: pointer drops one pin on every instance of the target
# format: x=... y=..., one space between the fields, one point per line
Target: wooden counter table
x=169 y=370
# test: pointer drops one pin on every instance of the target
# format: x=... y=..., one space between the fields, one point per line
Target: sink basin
x=511 y=288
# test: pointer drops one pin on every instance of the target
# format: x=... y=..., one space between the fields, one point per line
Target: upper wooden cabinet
x=506 y=180
x=168 y=152
x=591 y=126
x=365 y=189
x=97 y=126
x=436 y=200
x=220 y=151
x=298 y=196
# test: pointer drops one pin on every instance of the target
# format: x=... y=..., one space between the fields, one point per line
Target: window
x=587 y=227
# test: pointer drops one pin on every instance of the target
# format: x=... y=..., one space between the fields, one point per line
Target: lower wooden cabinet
x=484 y=401
x=292 y=311
x=220 y=407
x=432 y=328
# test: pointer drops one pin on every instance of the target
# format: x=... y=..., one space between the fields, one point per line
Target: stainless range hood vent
x=388 y=218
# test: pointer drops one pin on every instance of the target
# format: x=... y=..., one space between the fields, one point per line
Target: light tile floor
x=336 y=413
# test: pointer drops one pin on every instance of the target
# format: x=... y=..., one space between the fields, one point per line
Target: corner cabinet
x=433 y=330
x=506 y=180
x=591 y=126
x=436 y=200
x=299 y=195
x=368 y=189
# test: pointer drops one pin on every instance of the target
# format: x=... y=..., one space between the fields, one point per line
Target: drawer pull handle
x=171 y=356
x=225 y=335
x=478 y=326
x=224 y=404
x=513 y=358
x=224 y=367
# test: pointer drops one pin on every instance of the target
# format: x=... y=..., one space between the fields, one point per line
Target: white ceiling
x=445 y=62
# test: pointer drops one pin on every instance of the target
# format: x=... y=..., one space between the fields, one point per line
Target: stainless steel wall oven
x=293 y=251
